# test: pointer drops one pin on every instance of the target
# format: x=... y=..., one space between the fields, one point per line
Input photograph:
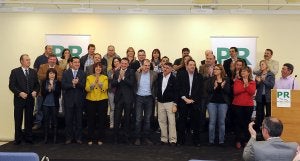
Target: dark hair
x=91 y=45
x=21 y=57
x=235 y=49
x=46 y=47
x=270 y=50
x=156 y=51
x=182 y=61
x=169 y=64
x=185 y=49
x=223 y=74
x=273 y=125
x=63 y=53
x=190 y=61
x=97 y=65
x=165 y=57
x=49 y=71
x=51 y=56
x=112 y=63
x=289 y=66
x=141 y=50
x=75 y=57
x=125 y=59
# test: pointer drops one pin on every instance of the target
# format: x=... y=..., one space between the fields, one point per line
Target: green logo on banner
x=223 y=54
x=75 y=50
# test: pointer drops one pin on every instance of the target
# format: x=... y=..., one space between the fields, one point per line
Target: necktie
x=27 y=80
x=75 y=73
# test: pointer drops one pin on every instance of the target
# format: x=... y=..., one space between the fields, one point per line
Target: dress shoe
x=148 y=141
x=36 y=126
x=172 y=144
x=197 y=144
x=210 y=144
x=29 y=142
x=222 y=145
x=137 y=142
x=68 y=142
x=17 y=142
x=78 y=141
x=163 y=143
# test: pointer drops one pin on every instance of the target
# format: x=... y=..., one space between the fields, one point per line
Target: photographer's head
x=271 y=127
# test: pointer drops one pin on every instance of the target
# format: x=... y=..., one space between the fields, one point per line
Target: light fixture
x=22 y=9
x=201 y=10
x=82 y=10
x=137 y=10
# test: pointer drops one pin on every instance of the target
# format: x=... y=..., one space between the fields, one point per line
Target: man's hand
x=33 y=94
x=188 y=101
x=23 y=95
x=251 y=130
x=174 y=108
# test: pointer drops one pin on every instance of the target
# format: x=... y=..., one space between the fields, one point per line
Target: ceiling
x=153 y=6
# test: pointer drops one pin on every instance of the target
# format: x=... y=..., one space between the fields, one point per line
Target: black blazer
x=183 y=85
x=170 y=93
x=56 y=92
x=17 y=84
x=226 y=90
x=124 y=88
x=82 y=61
x=73 y=95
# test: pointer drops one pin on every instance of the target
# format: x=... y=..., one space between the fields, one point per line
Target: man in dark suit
x=87 y=59
x=73 y=82
x=273 y=148
x=233 y=51
x=124 y=82
x=137 y=64
x=23 y=82
x=189 y=85
x=167 y=105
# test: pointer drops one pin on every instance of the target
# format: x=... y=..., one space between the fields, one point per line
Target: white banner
x=77 y=44
x=284 y=98
x=245 y=45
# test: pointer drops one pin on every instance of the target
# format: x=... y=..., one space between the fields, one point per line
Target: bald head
x=210 y=58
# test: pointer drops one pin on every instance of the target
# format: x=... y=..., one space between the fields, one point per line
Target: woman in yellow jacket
x=97 y=102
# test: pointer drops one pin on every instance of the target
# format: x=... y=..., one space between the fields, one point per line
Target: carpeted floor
x=121 y=152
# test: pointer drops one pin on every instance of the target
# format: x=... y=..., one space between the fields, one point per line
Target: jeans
x=217 y=111
x=111 y=102
x=144 y=104
x=39 y=111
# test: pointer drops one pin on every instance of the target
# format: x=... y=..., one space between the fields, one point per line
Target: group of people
x=135 y=90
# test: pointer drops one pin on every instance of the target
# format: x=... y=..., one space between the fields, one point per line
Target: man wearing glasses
x=273 y=148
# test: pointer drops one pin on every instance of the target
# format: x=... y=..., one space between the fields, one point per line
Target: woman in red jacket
x=243 y=91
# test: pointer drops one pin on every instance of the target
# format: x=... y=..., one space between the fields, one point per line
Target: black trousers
x=119 y=107
x=50 y=114
x=73 y=121
x=188 y=114
x=18 y=116
x=96 y=117
x=261 y=107
x=242 y=119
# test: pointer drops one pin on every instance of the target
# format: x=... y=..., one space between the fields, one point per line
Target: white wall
x=25 y=33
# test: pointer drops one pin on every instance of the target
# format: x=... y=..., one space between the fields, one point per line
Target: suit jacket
x=269 y=83
x=271 y=150
x=43 y=70
x=17 y=84
x=226 y=66
x=56 y=92
x=73 y=96
x=82 y=61
x=183 y=85
x=124 y=88
x=170 y=93
x=153 y=77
